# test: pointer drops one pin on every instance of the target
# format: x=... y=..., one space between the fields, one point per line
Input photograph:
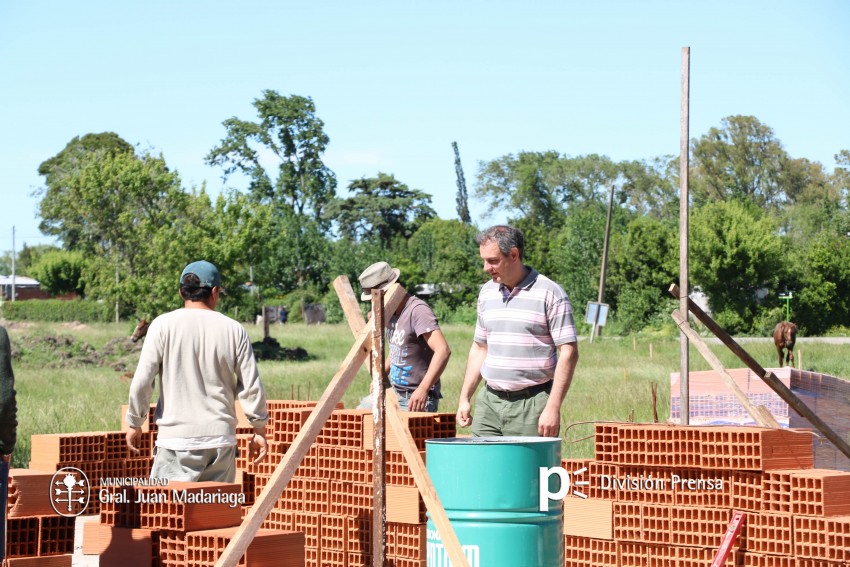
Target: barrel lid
x=492 y=440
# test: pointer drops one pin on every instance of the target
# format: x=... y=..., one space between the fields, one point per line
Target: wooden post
x=379 y=460
x=306 y=436
x=684 y=150
x=654 y=402
x=266 y=321
x=718 y=367
x=769 y=378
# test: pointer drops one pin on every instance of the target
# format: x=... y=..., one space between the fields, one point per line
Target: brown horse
x=784 y=337
x=141 y=330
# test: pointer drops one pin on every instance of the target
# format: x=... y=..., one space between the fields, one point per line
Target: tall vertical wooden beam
x=379 y=461
x=684 y=146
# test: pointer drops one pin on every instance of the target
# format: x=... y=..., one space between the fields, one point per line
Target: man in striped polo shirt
x=524 y=347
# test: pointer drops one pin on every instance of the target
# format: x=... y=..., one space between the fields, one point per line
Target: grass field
x=614 y=377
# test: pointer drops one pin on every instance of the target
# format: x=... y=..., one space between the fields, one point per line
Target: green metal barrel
x=490 y=489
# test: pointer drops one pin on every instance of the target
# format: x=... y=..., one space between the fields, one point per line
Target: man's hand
x=418 y=399
x=134 y=437
x=464 y=418
x=6 y=458
x=259 y=446
x=549 y=424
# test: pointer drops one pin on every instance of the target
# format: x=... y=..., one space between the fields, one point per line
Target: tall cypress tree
x=461 y=200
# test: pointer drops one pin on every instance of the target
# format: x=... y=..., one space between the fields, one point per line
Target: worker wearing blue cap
x=204 y=363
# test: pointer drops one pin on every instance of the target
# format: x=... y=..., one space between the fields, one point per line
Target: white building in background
x=25 y=288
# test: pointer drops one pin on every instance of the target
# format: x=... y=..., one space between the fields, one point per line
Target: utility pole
x=14 y=253
x=597 y=330
x=117 y=282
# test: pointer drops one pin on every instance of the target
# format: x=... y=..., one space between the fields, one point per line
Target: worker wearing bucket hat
x=205 y=362
x=418 y=351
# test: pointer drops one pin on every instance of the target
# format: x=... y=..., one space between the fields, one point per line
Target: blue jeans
x=431 y=402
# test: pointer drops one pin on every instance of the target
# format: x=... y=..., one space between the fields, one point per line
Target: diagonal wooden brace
x=759 y=413
x=769 y=378
x=408 y=445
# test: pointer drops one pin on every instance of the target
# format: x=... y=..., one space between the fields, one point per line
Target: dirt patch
x=120 y=354
x=16 y=325
x=269 y=349
x=74 y=326
x=65 y=351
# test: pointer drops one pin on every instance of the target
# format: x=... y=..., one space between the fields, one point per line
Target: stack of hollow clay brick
x=330 y=497
x=660 y=495
x=328 y=500
x=180 y=524
x=36 y=536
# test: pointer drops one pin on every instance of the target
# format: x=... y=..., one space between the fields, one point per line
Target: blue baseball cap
x=206 y=272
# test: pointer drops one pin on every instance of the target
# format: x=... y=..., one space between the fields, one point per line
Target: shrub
x=58 y=310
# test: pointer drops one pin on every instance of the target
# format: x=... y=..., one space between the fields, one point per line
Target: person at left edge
x=204 y=361
x=8 y=402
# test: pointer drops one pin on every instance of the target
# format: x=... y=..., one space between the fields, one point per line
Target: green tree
x=28 y=256
x=735 y=254
x=111 y=200
x=380 y=209
x=446 y=252
x=644 y=262
x=823 y=283
x=741 y=160
x=60 y=271
x=291 y=134
x=576 y=253
x=113 y=207
x=462 y=199
x=527 y=183
x=63 y=167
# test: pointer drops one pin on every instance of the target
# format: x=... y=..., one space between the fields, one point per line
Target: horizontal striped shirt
x=522 y=329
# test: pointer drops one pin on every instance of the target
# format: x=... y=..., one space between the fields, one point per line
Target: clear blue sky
x=397 y=82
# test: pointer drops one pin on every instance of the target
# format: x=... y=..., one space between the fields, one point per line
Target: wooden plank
x=684 y=241
x=293 y=457
x=718 y=367
x=379 y=460
x=349 y=303
x=423 y=483
x=775 y=383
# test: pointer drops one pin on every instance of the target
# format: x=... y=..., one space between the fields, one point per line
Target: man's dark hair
x=191 y=290
x=505 y=236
